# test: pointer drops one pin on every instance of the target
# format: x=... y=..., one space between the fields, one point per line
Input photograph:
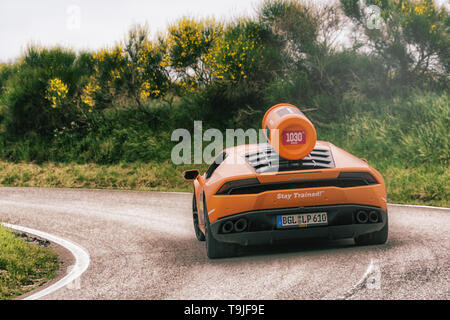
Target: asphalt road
x=142 y=246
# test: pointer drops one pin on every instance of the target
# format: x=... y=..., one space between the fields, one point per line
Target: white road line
x=82 y=260
x=360 y=283
x=418 y=206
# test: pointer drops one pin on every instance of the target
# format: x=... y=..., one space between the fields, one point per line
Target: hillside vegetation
x=104 y=119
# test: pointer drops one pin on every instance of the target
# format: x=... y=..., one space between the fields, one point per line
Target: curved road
x=142 y=246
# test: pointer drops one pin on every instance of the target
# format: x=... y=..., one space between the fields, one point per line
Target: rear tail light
x=364 y=176
x=227 y=187
x=253 y=186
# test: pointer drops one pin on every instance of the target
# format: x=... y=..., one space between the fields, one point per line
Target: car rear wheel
x=216 y=249
x=378 y=237
x=198 y=233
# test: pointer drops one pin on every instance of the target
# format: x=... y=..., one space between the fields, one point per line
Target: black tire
x=378 y=237
x=198 y=233
x=216 y=249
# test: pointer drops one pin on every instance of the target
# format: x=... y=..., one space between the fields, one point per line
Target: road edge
x=418 y=206
x=82 y=260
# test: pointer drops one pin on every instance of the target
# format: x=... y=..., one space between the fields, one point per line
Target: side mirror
x=191 y=174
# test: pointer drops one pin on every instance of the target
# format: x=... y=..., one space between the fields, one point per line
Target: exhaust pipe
x=373 y=216
x=240 y=225
x=362 y=217
x=227 y=227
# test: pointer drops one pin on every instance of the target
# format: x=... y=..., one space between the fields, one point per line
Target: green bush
x=410 y=131
x=39 y=95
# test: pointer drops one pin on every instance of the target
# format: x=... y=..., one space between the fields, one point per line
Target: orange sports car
x=291 y=188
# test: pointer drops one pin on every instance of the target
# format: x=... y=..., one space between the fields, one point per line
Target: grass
x=422 y=186
x=23 y=265
x=153 y=176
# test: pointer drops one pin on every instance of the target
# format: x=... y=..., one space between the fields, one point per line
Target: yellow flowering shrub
x=148 y=73
x=420 y=16
x=132 y=71
x=145 y=90
x=189 y=39
x=88 y=92
x=188 y=42
x=235 y=52
x=56 y=92
x=108 y=66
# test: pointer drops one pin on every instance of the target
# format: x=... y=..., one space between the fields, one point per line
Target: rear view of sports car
x=291 y=188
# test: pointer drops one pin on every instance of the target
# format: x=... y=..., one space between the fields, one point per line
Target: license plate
x=293 y=137
x=302 y=220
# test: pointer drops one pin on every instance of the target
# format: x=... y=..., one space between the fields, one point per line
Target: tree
x=295 y=27
x=130 y=72
x=145 y=74
x=411 y=36
x=187 y=43
x=238 y=53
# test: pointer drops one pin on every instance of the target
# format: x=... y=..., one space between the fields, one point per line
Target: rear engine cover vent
x=267 y=160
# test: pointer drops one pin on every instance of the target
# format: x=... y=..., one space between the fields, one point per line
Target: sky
x=94 y=24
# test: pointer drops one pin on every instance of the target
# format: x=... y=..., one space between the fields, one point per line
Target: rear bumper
x=262 y=228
